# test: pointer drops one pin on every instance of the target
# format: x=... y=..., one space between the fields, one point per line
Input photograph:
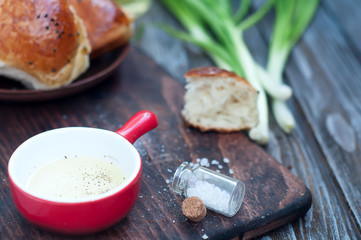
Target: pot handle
x=141 y=123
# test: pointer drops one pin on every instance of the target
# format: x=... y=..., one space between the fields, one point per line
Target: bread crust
x=207 y=129
x=107 y=25
x=215 y=72
x=43 y=39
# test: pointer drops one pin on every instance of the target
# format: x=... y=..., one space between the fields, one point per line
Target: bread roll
x=219 y=100
x=107 y=25
x=43 y=43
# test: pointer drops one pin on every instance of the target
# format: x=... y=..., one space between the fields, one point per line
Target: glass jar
x=218 y=192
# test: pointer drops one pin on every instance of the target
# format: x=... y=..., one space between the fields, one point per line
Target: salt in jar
x=218 y=192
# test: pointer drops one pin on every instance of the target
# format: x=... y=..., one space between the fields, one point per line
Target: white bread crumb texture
x=221 y=104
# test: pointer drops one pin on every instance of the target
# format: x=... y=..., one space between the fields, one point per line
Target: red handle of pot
x=141 y=123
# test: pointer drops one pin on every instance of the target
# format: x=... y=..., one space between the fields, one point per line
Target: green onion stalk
x=291 y=19
x=213 y=26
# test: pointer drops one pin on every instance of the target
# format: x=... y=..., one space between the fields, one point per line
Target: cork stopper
x=193 y=208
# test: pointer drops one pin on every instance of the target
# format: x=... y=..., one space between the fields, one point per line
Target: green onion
x=214 y=27
x=292 y=18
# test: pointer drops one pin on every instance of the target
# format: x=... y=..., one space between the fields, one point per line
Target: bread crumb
x=193 y=208
x=219 y=100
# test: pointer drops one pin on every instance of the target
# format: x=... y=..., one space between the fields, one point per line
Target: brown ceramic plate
x=100 y=68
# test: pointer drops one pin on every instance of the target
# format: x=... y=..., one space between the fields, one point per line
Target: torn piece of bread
x=219 y=100
x=43 y=43
x=107 y=25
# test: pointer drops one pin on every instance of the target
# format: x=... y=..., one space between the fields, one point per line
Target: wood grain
x=273 y=196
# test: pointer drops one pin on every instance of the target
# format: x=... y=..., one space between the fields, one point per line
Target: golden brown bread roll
x=42 y=43
x=107 y=25
x=219 y=100
x=46 y=43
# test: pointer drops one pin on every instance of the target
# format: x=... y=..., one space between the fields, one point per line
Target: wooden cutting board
x=274 y=196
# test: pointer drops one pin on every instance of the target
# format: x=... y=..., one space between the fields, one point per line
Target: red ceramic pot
x=92 y=213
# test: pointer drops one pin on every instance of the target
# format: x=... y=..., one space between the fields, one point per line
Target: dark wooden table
x=323 y=151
